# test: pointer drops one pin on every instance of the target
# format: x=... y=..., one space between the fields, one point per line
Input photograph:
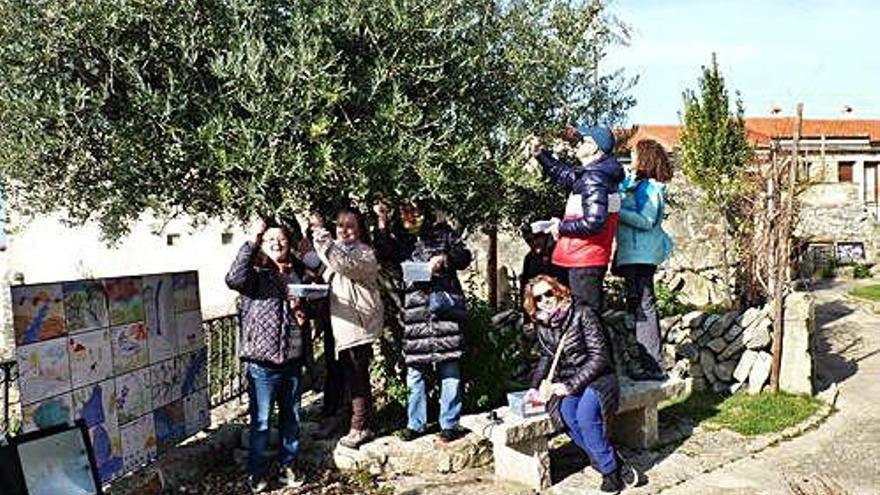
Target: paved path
x=844 y=452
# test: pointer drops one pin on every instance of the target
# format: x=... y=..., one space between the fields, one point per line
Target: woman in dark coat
x=584 y=392
x=430 y=340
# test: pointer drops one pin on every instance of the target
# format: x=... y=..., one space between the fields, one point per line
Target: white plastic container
x=542 y=226
x=308 y=291
x=416 y=272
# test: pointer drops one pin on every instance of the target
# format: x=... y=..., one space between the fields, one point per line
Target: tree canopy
x=242 y=107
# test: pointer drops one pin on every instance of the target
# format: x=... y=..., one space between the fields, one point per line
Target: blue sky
x=775 y=52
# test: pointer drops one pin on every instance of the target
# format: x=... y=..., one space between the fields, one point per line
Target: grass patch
x=870 y=292
x=742 y=413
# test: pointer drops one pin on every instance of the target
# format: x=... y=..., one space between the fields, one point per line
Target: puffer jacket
x=590 y=222
x=269 y=334
x=356 y=312
x=640 y=235
x=586 y=361
x=428 y=339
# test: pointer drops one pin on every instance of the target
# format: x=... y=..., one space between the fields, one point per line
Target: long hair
x=560 y=291
x=652 y=162
x=360 y=220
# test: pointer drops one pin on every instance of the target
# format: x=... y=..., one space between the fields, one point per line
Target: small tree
x=715 y=154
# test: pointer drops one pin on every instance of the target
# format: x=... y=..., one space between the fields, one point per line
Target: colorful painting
x=186 y=292
x=91 y=359
x=170 y=425
x=194 y=371
x=158 y=295
x=138 y=442
x=46 y=413
x=37 y=313
x=133 y=397
x=44 y=370
x=165 y=380
x=196 y=412
x=124 y=298
x=130 y=350
x=190 y=335
x=96 y=405
x=85 y=306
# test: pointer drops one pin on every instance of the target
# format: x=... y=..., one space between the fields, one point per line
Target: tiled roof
x=761 y=129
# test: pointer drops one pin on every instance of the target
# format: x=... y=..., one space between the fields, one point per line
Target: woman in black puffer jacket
x=430 y=340
x=584 y=388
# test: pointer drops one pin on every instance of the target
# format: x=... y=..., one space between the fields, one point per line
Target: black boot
x=629 y=476
x=611 y=482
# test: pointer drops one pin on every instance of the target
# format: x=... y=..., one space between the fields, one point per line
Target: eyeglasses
x=545 y=295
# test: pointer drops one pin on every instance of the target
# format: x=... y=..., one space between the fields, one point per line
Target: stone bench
x=520 y=446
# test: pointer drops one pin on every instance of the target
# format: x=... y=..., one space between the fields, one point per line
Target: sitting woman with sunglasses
x=583 y=392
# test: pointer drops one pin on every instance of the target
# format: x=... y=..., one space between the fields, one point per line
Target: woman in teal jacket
x=642 y=244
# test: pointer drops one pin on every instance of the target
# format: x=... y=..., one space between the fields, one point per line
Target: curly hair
x=652 y=161
x=560 y=291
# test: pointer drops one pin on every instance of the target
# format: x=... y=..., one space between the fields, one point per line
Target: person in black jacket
x=584 y=387
x=272 y=344
x=430 y=340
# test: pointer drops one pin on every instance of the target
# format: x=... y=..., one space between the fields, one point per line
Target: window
x=845 y=171
x=172 y=239
x=226 y=238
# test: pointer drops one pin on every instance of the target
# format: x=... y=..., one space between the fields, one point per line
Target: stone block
x=717 y=344
x=733 y=350
x=637 y=428
x=760 y=372
x=707 y=361
x=720 y=387
x=694 y=319
x=757 y=336
x=695 y=370
x=722 y=324
x=688 y=351
x=796 y=367
x=732 y=333
x=669 y=324
x=710 y=321
x=668 y=356
x=799 y=306
x=741 y=373
x=528 y=464
x=750 y=316
x=724 y=370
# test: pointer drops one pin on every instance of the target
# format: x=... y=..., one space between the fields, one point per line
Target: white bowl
x=308 y=291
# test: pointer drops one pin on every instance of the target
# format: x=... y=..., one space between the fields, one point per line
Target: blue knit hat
x=601 y=135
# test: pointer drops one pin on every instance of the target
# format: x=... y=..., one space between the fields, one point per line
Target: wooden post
x=782 y=254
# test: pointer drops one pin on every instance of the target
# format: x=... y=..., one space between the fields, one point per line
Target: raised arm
x=359 y=264
x=241 y=274
x=594 y=201
x=556 y=170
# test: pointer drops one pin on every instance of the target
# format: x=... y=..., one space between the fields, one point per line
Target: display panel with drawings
x=92 y=350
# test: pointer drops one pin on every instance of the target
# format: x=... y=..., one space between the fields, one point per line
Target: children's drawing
x=158 y=295
x=189 y=331
x=196 y=412
x=129 y=347
x=138 y=442
x=165 y=380
x=85 y=306
x=46 y=413
x=194 y=371
x=133 y=397
x=91 y=359
x=37 y=313
x=107 y=445
x=124 y=297
x=44 y=370
x=170 y=425
x=186 y=292
x=96 y=403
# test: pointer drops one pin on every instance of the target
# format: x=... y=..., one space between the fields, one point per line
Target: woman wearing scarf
x=584 y=386
x=356 y=312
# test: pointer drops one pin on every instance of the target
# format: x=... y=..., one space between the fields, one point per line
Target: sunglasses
x=546 y=295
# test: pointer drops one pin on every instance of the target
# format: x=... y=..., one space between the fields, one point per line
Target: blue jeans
x=586 y=427
x=450 y=396
x=267 y=386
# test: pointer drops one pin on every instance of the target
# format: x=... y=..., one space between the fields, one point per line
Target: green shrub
x=668 y=302
x=861 y=270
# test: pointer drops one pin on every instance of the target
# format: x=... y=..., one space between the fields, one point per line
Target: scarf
x=554 y=319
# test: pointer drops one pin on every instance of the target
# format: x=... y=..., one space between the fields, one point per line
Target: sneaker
x=257 y=484
x=628 y=473
x=289 y=478
x=611 y=483
x=408 y=435
x=451 y=434
x=356 y=438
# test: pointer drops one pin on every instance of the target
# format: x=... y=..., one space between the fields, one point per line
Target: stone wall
x=831 y=213
x=726 y=352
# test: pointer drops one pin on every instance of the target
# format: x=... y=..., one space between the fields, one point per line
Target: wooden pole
x=782 y=255
x=492 y=268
